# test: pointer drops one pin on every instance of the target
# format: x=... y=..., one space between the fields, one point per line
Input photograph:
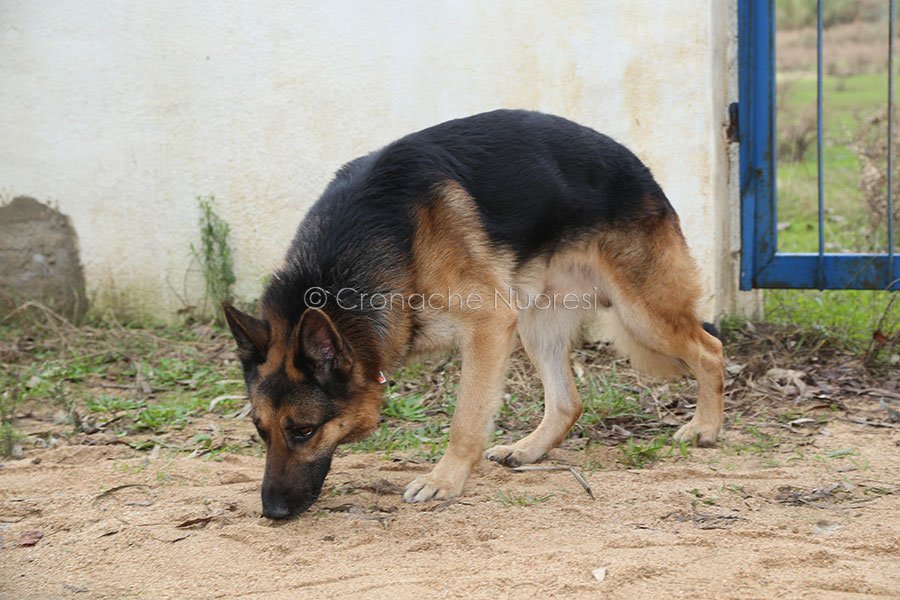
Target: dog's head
x=309 y=393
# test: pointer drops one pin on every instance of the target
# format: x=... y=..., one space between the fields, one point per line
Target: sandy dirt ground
x=115 y=523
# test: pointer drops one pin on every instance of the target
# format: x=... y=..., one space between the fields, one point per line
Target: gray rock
x=39 y=259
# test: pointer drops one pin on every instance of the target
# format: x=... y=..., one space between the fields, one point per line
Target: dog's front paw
x=511 y=456
x=695 y=432
x=430 y=487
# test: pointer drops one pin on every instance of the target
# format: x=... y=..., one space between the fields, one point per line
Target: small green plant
x=409 y=408
x=702 y=498
x=169 y=413
x=106 y=403
x=638 y=455
x=214 y=253
x=736 y=489
x=8 y=438
x=592 y=466
x=761 y=444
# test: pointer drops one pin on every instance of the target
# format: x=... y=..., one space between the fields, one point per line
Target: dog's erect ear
x=250 y=333
x=320 y=349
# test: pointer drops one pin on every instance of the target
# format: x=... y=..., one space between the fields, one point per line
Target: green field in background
x=849 y=105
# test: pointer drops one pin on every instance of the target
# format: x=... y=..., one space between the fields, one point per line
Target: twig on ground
x=117 y=488
x=581 y=480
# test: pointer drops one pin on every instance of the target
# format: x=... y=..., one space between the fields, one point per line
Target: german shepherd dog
x=471 y=234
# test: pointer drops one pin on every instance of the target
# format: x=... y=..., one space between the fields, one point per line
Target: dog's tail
x=711 y=330
x=643 y=357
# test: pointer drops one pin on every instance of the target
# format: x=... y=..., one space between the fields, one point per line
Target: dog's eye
x=301 y=434
x=262 y=433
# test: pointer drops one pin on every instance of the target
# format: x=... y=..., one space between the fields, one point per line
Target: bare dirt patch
x=116 y=523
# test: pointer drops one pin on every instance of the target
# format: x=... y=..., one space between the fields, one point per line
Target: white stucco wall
x=121 y=113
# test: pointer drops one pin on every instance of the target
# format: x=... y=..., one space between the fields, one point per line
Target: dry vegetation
x=871 y=149
x=849 y=49
x=145 y=388
x=855 y=36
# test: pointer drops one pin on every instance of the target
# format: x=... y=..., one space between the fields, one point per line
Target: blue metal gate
x=762 y=266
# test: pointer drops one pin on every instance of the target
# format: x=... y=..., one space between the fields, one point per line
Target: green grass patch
x=428 y=440
x=604 y=399
x=638 y=454
x=847 y=317
x=849 y=104
x=137 y=380
x=405 y=408
x=701 y=498
x=159 y=417
x=759 y=443
x=107 y=403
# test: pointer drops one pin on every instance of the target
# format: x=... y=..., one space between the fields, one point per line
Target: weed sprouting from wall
x=214 y=255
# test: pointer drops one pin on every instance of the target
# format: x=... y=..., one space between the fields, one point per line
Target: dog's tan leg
x=486 y=346
x=655 y=292
x=703 y=357
x=546 y=336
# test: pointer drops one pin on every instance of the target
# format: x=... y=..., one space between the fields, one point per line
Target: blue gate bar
x=842 y=272
x=892 y=272
x=762 y=266
x=820 y=268
x=756 y=135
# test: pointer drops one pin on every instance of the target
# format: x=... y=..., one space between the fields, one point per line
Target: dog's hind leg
x=703 y=357
x=660 y=343
x=547 y=337
x=654 y=293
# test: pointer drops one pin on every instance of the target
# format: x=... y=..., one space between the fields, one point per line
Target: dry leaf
x=30 y=538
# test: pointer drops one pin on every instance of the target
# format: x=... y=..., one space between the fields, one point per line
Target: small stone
x=30 y=538
x=825 y=527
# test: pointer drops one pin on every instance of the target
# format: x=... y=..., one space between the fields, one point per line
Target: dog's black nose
x=276 y=511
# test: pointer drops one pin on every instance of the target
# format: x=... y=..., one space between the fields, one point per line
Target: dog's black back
x=538 y=180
